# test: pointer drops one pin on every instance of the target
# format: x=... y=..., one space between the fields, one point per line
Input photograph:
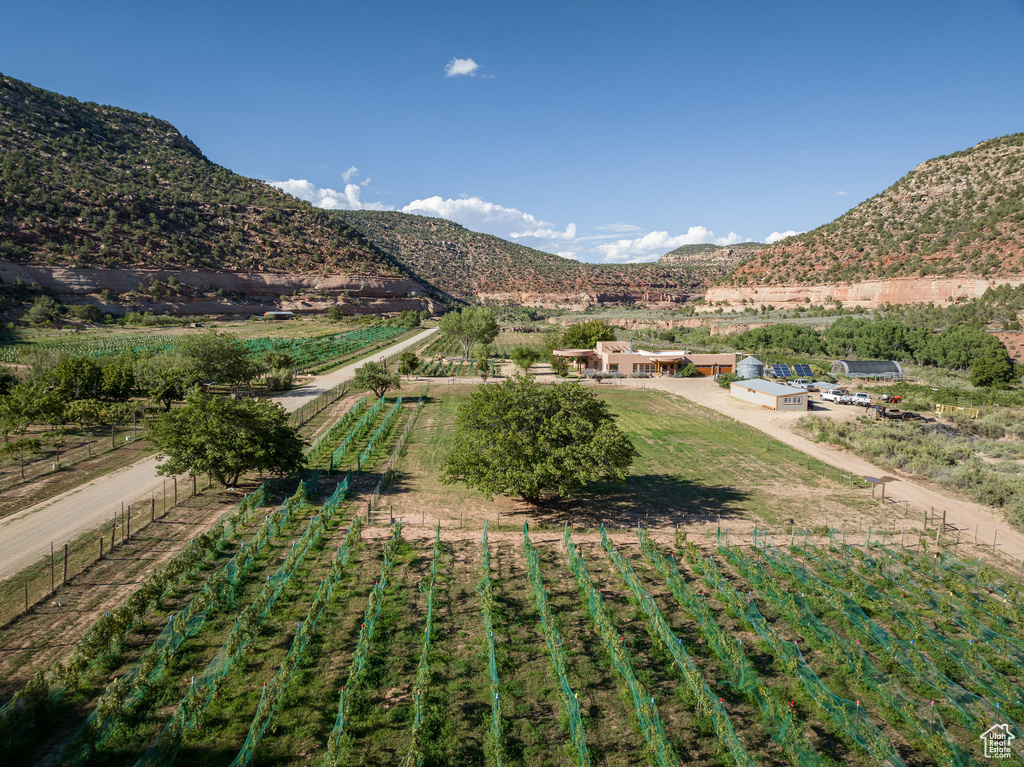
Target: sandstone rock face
x=577 y=302
x=69 y=280
x=869 y=294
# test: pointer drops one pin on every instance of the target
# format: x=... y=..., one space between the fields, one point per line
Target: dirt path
x=962 y=513
x=26 y=535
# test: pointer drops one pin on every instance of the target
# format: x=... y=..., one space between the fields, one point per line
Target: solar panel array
x=781 y=371
x=803 y=371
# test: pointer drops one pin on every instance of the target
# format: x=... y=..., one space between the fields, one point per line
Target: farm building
x=278 y=315
x=770 y=395
x=620 y=357
x=887 y=369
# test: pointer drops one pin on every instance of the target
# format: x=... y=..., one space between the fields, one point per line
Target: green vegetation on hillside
x=470 y=265
x=961 y=214
x=89 y=185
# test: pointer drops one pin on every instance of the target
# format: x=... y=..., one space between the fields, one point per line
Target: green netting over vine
x=355 y=671
x=338 y=428
x=356 y=433
x=487 y=603
x=846 y=714
x=381 y=433
x=245 y=629
x=920 y=714
x=48 y=686
x=272 y=692
x=779 y=720
x=976 y=713
x=570 y=700
x=414 y=756
x=646 y=709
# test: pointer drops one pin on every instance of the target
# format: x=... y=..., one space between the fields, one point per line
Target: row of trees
x=957 y=347
x=66 y=388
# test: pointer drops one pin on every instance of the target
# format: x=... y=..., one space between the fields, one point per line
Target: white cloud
x=840 y=193
x=618 y=228
x=324 y=197
x=653 y=245
x=458 y=67
x=482 y=216
x=347 y=175
x=776 y=236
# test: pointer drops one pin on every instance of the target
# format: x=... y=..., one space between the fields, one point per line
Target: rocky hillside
x=712 y=257
x=473 y=266
x=960 y=216
x=85 y=185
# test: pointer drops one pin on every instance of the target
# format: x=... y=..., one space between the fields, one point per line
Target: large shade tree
x=225 y=438
x=536 y=442
x=585 y=335
x=219 y=357
x=376 y=377
x=472 y=325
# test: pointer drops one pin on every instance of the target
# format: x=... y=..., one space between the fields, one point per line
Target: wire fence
x=43 y=579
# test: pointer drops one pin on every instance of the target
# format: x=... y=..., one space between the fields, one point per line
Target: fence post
x=128 y=521
x=101 y=547
x=152 y=509
x=64 y=575
x=52 y=584
x=113 y=531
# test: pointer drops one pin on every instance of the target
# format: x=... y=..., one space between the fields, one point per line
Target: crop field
x=297 y=637
x=306 y=352
x=296 y=633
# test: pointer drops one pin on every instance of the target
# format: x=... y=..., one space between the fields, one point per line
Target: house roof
x=712 y=359
x=767 y=387
x=572 y=352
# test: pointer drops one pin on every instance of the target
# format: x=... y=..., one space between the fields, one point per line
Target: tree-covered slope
x=89 y=185
x=467 y=264
x=706 y=255
x=957 y=215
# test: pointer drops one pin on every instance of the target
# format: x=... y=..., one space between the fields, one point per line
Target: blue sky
x=602 y=131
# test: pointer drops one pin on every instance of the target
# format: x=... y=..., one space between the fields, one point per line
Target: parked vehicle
x=890 y=398
x=835 y=396
x=861 y=398
x=802 y=383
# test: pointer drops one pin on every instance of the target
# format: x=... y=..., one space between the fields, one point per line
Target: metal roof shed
x=769 y=394
x=888 y=369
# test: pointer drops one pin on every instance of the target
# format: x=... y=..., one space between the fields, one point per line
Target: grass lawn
x=695 y=465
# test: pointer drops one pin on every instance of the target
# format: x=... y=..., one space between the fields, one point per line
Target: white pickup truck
x=843 y=397
x=836 y=396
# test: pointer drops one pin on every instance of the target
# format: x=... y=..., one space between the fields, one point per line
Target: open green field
x=695 y=466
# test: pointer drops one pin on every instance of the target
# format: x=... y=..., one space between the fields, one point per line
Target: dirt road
x=26 y=535
x=964 y=514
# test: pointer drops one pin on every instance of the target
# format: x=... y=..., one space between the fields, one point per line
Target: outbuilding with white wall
x=770 y=395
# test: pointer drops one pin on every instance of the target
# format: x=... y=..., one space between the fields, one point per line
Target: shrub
x=727 y=378
x=279 y=379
